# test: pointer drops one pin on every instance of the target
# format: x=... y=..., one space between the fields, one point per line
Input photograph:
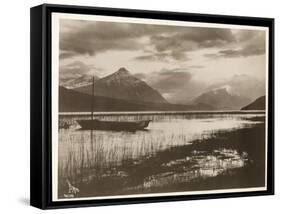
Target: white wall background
x=14 y=106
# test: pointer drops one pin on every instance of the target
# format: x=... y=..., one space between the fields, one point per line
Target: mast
x=92 y=100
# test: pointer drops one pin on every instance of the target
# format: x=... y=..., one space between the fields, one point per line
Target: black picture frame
x=40 y=130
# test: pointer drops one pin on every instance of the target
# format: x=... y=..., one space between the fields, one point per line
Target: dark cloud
x=66 y=54
x=91 y=37
x=252 y=44
x=166 y=80
x=209 y=37
x=212 y=55
x=245 y=35
x=165 y=57
x=173 y=44
x=190 y=39
x=154 y=57
x=178 y=55
x=247 y=51
x=165 y=42
x=196 y=66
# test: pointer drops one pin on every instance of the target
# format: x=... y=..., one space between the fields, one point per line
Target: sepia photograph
x=150 y=107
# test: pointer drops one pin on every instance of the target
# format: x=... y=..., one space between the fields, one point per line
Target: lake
x=177 y=149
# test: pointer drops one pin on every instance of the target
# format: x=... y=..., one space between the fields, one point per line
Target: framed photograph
x=132 y=106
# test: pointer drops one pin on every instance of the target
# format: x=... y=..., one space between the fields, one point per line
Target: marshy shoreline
x=170 y=168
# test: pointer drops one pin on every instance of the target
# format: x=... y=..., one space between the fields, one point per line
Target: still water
x=86 y=155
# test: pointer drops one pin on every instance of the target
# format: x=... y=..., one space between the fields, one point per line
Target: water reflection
x=86 y=155
x=198 y=165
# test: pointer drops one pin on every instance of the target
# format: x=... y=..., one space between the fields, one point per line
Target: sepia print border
x=44 y=94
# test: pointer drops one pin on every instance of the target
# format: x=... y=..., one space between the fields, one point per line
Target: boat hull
x=113 y=125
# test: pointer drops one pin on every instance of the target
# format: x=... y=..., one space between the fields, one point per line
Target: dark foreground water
x=178 y=152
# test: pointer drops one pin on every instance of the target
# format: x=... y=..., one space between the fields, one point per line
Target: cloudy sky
x=180 y=62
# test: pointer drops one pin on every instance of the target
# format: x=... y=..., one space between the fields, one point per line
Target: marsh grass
x=104 y=162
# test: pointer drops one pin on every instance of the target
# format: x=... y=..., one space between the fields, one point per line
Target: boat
x=95 y=124
x=113 y=125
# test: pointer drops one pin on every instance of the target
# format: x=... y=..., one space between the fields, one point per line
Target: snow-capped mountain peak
x=226 y=88
x=81 y=81
x=222 y=98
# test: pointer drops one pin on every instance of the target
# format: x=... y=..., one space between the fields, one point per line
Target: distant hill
x=258 y=104
x=222 y=99
x=123 y=85
x=74 y=101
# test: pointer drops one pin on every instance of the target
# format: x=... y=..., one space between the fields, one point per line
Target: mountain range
x=258 y=104
x=74 y=101
x=122 y=91
x=81 y=81
x=222 y=98
x=123 y=85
